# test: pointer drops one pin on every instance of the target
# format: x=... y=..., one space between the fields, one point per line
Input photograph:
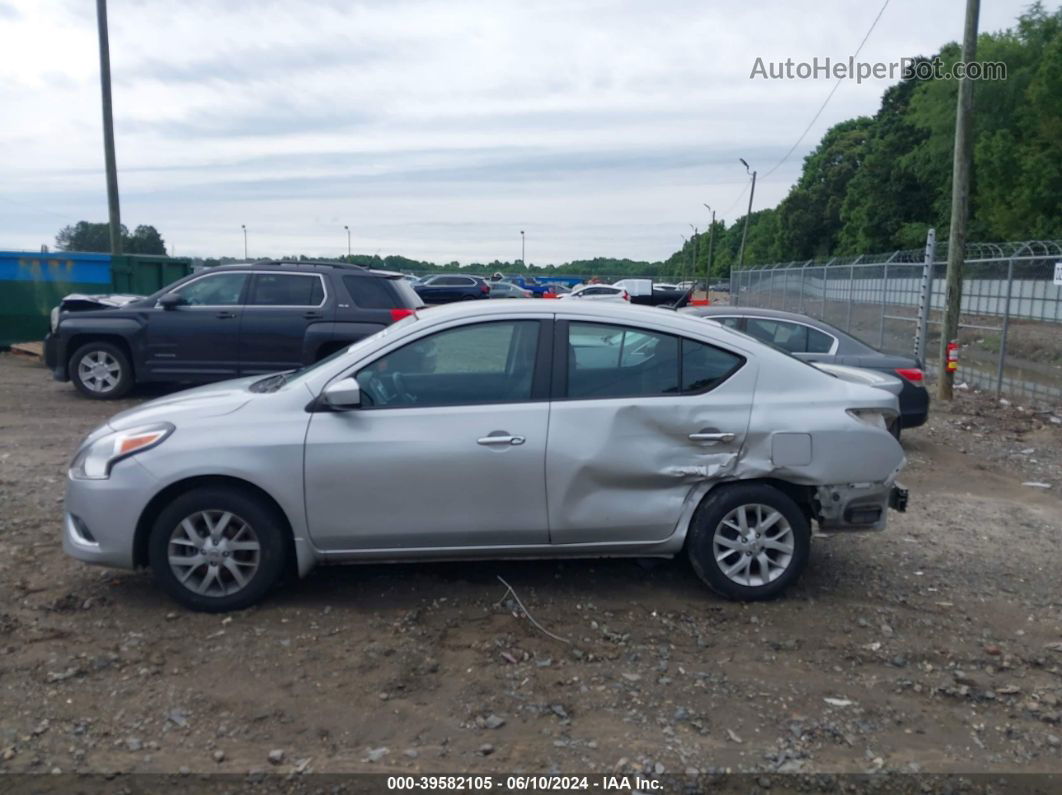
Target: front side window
x=286 y=289
x=219 y=289
x=481 y=363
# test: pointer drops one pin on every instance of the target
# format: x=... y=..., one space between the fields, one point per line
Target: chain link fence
x=1010 y=327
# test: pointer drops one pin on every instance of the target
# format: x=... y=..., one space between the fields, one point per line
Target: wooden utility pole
x=745 y=231
x=960 y=201
x=113 y=214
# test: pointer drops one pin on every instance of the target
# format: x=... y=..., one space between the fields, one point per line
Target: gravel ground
x=935 y=646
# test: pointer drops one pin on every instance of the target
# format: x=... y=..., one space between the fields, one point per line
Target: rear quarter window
x=370 y=292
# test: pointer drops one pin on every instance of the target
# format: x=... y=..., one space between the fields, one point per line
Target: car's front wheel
x=101 y=370
x=749 y=541
x=217 y=549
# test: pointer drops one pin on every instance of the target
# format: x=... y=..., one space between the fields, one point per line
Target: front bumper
x=99 y=525
x=859 y=506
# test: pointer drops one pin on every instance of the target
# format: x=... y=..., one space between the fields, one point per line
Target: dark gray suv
x=222 y=323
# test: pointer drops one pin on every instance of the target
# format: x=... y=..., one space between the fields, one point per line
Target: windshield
x=272 y=383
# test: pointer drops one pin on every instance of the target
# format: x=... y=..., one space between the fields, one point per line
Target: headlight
x=94 y=461
x=54 y=317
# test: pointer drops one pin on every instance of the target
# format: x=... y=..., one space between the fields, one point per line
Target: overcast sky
x=437 y=130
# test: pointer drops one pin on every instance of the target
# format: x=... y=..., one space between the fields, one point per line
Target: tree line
x=879 y=183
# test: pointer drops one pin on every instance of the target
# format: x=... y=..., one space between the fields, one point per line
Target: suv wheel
x=217 y=549
x=749 y=542
x=101 y=371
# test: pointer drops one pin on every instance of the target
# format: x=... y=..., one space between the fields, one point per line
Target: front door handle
x=500 y=439
x=705 y=436
x=225 y=315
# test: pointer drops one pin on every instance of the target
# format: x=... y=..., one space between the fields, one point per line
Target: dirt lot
x=935 y=646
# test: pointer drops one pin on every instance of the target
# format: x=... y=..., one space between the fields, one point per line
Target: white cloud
x=434 y=129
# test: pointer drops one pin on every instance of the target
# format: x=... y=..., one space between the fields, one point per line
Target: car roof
x=314 y=266
x=854 y=344
x=599 y=311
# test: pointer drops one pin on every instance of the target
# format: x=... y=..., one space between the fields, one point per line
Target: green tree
x=88 y=236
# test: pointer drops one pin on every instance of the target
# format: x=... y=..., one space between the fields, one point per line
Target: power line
x=829 y=96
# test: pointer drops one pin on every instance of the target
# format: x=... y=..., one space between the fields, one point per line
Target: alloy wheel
x=99 y=371
x=753 y=545
x=214 y=553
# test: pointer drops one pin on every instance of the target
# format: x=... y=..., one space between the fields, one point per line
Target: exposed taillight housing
x=398 y=314
x=912 y=374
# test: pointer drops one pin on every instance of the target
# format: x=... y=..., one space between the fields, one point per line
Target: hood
x=858 y=375
x=79 y=301
x=213 y=400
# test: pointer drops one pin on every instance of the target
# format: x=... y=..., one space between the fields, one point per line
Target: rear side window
x=606 y=361
x=613 y=361
x=286 y=289
x=370 y=292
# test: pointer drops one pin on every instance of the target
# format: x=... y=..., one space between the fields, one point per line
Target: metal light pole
x=348 y=239
x=745 y=231
x=711 y=248
x=523 y=250
x=696 y=248
x=114 y=216
x=244 y=228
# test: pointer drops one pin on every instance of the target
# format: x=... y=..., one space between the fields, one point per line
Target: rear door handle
x=313 y=315
x=712 y=437
x=225 y=315
x=500 y=439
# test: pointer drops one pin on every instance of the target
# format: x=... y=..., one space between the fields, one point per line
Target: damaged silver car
x=581 y=429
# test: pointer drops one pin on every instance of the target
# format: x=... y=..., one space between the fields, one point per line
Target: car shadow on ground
x=669 y=584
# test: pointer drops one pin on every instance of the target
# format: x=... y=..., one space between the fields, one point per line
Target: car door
x=280 y=307
x=639 y=419
x=198 y=340
x=447 y=450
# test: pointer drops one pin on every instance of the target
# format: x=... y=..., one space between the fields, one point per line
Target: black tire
x=111 y=356
x=268 y=530
x=717 y=506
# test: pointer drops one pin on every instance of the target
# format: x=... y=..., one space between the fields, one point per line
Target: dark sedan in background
x=816 y=341
x=445 y=288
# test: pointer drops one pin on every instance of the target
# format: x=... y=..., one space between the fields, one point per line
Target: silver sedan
x=581 y=429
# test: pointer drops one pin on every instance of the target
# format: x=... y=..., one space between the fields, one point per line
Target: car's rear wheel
x=101 y=371
x=749 y=541
x=217 y=549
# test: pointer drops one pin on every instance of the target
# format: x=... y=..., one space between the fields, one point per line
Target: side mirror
x=342 y=395
x=172 y=301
